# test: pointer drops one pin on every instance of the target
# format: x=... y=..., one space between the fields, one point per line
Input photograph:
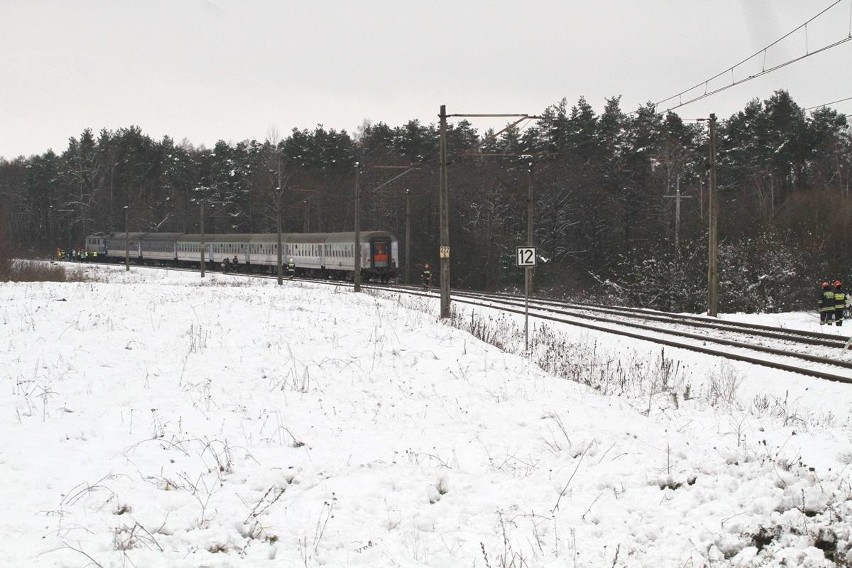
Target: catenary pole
x=713 y=228
x=677 y=217
x=444 y=251
x=356 y=275
x=678 y=196
x=407 y=276
x=530 y=225
x=201 y=244
x=126 y=242
x=275 y=179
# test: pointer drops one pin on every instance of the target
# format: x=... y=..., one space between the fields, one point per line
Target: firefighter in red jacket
x=839 y=302
x=826 y=304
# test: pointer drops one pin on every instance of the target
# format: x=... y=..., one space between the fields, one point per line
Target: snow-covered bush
x=770 y=272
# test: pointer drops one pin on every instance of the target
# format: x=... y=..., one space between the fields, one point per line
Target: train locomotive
x=320 y=255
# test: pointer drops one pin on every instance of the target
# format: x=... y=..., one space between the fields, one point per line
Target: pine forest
x=620 y=198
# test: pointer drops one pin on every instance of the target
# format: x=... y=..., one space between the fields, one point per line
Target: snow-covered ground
x=153 y=418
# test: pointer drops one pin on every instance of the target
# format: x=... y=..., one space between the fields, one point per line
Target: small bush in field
x=36 y=271
x=13 y=269
x=5 y=253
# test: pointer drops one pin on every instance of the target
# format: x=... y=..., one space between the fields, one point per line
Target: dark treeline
x=603 y=183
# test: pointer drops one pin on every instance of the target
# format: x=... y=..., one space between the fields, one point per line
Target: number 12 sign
x=526 y=256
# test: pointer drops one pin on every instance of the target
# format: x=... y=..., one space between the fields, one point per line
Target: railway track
x=804 y=352
x=808 y=353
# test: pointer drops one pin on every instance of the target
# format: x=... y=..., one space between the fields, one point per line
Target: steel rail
x=697 y=348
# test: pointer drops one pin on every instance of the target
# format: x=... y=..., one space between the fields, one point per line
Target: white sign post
x=525 y=257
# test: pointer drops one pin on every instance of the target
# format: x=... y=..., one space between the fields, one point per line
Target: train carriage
x=304 y=248
x=379 y=252
x=121 y=245
x=158 y=247
x=96 y=245
x=188 y=249
x=230 y=246
x=263 y=250
x=307 y=251
x=314 y=254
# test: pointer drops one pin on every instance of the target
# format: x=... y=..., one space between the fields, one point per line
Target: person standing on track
x=826 y=304
x=426 y=276
x=839 y=302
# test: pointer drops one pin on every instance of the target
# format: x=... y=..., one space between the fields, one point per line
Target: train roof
x=214 y=237
x=350 y=235
x=313 y=238
x=137 y=236
x=130 y=235
x=317 y=238
x=161 y=236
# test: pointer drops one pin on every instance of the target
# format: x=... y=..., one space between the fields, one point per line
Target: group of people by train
x=233 y=265
x=832 y=303
x=76 y=255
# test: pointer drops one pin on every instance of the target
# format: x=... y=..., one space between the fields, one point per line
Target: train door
x=380 y=254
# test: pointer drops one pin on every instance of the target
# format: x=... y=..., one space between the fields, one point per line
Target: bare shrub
x=5 y=251
x=13 y=269
x=723 y=385
x=491 y=330
x=36 y=271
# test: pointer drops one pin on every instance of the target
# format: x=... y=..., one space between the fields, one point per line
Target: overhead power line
x=764 y=70
x=831 y=103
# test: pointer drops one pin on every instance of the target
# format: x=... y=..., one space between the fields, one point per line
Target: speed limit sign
x=526 y=256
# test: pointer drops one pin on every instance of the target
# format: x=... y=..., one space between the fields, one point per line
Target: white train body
x=314 y=254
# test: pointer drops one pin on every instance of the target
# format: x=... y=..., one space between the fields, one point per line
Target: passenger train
x=323 y=255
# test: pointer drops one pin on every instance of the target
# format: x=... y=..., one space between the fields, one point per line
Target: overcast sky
x=205 y=70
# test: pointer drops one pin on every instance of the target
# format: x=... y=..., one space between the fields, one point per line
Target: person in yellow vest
x=839 y=302
x=826 y=304
x=426 y=276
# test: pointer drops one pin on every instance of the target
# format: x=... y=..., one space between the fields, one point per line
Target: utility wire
x=831 y=103
x=763 y=51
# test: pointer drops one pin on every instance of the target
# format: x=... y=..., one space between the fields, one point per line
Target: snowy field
x=152 y=418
